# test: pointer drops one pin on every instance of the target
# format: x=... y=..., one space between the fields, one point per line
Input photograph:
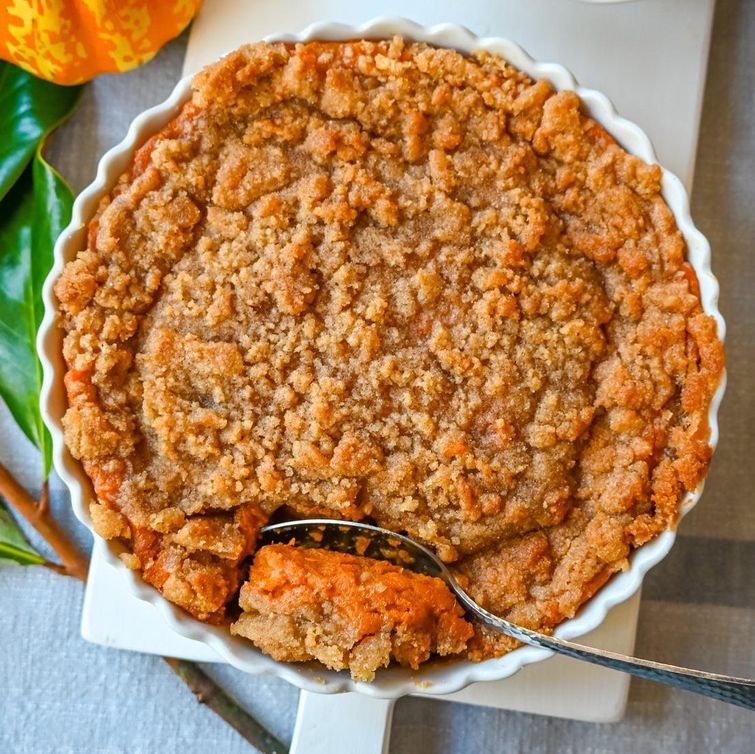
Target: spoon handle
x=738 y=691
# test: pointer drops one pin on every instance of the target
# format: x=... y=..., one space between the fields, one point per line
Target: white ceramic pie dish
x=438 y=678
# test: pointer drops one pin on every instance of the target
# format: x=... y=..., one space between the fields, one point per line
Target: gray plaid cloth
x=60 y=694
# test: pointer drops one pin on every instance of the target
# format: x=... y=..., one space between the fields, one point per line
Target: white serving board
x=650 y=58
x=559 y=687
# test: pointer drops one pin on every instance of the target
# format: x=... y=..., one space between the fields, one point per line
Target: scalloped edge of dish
x=432 y=678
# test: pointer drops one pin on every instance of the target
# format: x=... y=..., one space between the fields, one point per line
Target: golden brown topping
x=383 y=279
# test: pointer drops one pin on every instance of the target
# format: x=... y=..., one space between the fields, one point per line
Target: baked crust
x=385 y=280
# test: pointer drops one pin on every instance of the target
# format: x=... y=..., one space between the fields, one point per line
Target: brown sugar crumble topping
x=385 y=280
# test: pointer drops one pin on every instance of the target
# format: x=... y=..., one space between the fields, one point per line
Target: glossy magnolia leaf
x=32 y=215
x=13 y=545
x=30 y=108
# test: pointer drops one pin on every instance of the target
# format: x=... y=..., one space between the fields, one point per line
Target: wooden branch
x=37 y=514
x=208 y=692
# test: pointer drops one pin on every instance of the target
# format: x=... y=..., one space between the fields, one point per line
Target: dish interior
x=462 y=316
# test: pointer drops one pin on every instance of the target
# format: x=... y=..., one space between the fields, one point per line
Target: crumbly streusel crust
x=380 y=279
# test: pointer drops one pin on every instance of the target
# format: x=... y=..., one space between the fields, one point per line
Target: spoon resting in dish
x=381 y=544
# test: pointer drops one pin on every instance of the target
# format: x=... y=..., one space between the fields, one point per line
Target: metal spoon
x=374 y=542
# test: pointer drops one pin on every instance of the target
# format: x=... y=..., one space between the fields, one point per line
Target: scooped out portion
x=346 y=611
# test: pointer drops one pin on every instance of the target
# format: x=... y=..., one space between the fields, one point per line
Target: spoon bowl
x=357 y=539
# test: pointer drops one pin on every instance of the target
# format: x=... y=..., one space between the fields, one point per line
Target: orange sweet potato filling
x=347 y=611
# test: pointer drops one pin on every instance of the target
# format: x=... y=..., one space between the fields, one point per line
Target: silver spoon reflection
x=381 y=544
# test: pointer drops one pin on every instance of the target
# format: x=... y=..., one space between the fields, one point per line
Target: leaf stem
x=43 y=504
x=55 y=567
x=37 y=514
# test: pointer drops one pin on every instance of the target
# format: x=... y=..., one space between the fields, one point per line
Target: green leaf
x=14 y=549
x=30 y=108
x=32 y=215
x=35 y=206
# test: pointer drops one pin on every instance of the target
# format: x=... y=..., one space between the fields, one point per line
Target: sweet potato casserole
x=384 y=281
